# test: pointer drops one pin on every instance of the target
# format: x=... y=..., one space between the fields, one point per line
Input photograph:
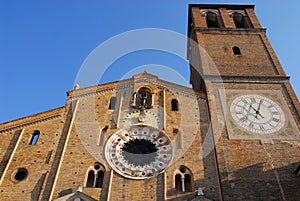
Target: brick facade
x=207 y=163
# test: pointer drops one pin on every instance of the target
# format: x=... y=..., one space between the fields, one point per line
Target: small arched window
x=90 y=179
x=178 y=182
x=112 y=103
x=212 y=20
x=99 y=179
x=188 y=183
x=174 y=104
x=35 y=137
x=236 y=51
x=183 y=179
x=95 y=176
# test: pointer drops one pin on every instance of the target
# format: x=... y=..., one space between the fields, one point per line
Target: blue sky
x=44 y=43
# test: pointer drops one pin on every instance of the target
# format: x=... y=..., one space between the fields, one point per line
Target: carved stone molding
x=31 y=120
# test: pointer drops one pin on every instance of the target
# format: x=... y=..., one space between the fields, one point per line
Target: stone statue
x=143 y=100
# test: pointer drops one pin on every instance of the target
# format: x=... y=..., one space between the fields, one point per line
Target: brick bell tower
x=253 y=108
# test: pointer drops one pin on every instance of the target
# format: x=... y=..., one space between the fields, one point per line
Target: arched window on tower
x=174 y=104
x=236 y=51
x=183 y=179
x=95 y=176
x=35 y=137
x=238 y=20
x=212 y=17
x=212 y=20
x=241 y=20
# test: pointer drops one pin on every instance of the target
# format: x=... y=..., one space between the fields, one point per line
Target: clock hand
x=258 y=108
x=248 y=112
x=260 y=115
x=253 y=108
x=256 y=111
x=259 y=104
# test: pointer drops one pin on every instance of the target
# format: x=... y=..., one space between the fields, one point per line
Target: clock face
x=139 y=152
x=257 y=114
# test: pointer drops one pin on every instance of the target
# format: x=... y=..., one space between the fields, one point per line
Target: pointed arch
x=178 y=182
x=188 y=182
x=99 y=179
x=183 y=179
x=95 y=176
x=90 y=179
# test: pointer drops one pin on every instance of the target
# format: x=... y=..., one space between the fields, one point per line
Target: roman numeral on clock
x=251 y=125
x=245 y=101
x=239 y=112
x=243 y=119
x=261 y=127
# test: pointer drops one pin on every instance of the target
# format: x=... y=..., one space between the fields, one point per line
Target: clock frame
x=252 y=126
x=257 y=114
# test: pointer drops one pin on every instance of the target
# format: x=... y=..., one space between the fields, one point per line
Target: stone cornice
x=78 y=93
x=217 y=6
x=129 y=83
x=31 y=120
x=244 y=79
x=230 y=30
